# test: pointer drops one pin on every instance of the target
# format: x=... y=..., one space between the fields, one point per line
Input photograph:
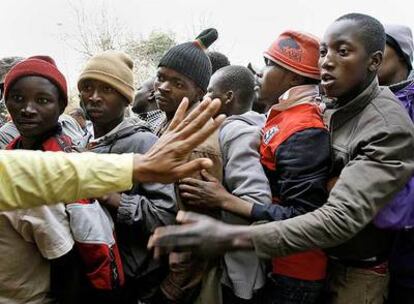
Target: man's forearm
x=237 y=206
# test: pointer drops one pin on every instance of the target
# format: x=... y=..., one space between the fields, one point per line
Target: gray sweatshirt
x=244 y=177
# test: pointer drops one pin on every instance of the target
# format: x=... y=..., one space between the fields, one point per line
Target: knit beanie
x=400 y=38
x=115 y=69
x=190 y=58
x=297 y=52
x=43 y=66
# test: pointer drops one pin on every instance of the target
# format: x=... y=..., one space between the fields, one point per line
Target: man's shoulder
x=386 y=111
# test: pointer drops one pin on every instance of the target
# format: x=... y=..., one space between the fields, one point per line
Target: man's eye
x=86 y=88
x=322 y=53
x=17 y=98
x=343 y=52
x=42 y=100
x=108 y=89
x=160 y=78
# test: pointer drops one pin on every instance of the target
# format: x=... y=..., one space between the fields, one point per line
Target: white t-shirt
x=28 y=239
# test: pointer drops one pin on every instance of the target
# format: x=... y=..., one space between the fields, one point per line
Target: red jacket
x=295 y=154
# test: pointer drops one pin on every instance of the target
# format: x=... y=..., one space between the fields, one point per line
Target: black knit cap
x=190 y=58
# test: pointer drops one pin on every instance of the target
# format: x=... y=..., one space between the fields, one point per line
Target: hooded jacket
x=145 y=207
x=402 y=256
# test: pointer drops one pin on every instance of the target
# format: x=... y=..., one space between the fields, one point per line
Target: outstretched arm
x=33 y=178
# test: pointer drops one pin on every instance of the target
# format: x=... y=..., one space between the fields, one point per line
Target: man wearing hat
x=184 y=72
x=106 y=87
x=295 y=154
x=36 y=242
x=396 y=72
x=398 y=56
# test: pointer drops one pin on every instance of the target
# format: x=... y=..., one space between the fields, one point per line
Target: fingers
x=207 y=176
x=179 y=114
x=192 y=182
x=199 y=117
x=189 y=189
x=163 y=240
x=194 y=139
x=188 y=217
x=196 y=112
x=191 y=167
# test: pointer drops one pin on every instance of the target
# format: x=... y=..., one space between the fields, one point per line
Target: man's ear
x=375 y=61
x=200 y=94
x=151 y=96
x=229 y=96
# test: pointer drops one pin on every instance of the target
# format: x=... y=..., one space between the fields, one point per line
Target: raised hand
x=167 y=161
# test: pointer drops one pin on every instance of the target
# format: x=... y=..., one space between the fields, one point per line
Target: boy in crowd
x=243 y=175
x=106 y=89
x=185 y=71
x=37 y=242
x=145 y=106
x=295 y=155
x=8 y=131
x=372 y=139
x=396 y=73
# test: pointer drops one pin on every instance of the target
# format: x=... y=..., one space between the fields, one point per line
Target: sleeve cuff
x=126 y=168
x=127 y=209
x=266 y=240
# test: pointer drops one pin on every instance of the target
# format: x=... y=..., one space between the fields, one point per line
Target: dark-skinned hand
x=207 y=193
x=200 y=234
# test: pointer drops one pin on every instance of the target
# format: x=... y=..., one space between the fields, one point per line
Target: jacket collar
x=403 y=84
x=346 y=111
x=296 y=96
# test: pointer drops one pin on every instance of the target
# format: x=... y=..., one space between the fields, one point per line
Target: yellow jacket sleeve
x=33 y=178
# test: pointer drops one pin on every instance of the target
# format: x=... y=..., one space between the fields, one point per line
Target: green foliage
x=146 y=53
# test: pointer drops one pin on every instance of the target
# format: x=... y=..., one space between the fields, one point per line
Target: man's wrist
x=138 y=171
x=242 y=239
x=226 y=201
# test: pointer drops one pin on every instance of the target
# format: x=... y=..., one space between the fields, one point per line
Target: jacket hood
x=401 y=85
x=252 y=118
x=127 y=127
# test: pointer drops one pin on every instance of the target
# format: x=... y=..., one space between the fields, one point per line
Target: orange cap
x=296 y=51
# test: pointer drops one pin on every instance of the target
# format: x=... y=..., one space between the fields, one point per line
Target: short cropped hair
x=218 y=60
x=240 y=80
x=371 y=30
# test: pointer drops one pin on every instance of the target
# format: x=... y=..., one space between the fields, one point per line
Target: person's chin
x=163 y=106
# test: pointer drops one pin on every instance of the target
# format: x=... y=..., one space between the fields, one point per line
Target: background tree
x=102 y=31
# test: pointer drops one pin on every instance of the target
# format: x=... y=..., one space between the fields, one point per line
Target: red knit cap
x=43 y=66
x=296 y=51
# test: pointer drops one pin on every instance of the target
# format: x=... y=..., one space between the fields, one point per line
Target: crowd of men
x=306 y=193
